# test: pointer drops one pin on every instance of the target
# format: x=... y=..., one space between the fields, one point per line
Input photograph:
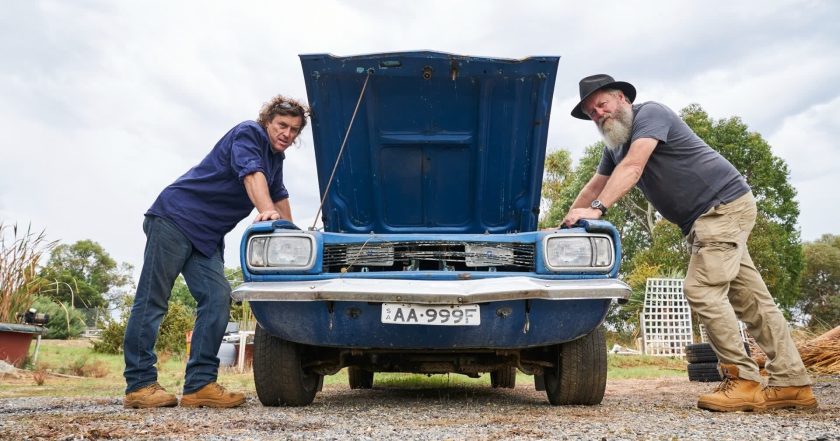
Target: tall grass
x=19 y=255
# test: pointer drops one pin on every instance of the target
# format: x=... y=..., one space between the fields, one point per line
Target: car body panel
x=504 y=325
x=440 y=142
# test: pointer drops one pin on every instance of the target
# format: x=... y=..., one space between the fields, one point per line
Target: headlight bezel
x=267 y=237
x=592 y=267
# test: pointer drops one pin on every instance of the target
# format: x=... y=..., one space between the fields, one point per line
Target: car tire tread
x=279 y=377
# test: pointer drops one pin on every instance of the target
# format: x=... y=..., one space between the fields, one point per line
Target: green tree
x=181 y=294
x=558 y=166
x=821 y=281
x=668 y=250
x=83 y=273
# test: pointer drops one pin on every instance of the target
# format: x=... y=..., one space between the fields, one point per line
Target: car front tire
x=279 y=376
x=579 y=375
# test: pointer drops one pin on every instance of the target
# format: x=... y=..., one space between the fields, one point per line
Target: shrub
x=111 y=339
x=172 y=336
x=82 y=367
x=65 y=322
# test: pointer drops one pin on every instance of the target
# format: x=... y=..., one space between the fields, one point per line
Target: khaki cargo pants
x=723 y=286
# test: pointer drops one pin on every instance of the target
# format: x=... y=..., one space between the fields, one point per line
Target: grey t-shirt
x=684 y=177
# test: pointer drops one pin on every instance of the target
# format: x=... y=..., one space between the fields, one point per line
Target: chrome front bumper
x=443 y=292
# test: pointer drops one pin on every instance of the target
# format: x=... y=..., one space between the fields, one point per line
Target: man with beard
x=693 y=186
x=185 y=229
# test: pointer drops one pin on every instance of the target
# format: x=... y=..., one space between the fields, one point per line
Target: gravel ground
x=661 y=409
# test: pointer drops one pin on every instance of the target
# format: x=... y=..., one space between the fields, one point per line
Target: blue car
x=430 y=168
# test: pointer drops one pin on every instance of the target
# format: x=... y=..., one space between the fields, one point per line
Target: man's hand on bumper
x=577 y=214
x=267 y=215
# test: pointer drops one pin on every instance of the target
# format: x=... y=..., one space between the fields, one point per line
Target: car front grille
x=428 y=256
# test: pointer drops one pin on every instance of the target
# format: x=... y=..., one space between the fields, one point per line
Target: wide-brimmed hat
x=593 y=83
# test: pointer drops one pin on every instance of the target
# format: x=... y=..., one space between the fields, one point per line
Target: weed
x=85 y=367
x=39 y=377
x=95 y=369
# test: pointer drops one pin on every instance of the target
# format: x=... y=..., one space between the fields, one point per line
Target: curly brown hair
x=281 y=105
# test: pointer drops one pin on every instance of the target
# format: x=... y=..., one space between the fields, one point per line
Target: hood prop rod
x=341 y=150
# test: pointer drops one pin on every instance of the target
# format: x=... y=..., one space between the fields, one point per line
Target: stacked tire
x=703 y=362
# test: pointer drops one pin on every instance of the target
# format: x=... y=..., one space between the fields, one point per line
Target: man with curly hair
x=185 y=230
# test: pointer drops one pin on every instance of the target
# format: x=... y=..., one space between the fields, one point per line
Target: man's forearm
x=585 y=197
x=284 y=209
x=257 y=188
x=590 y=191
x=622 y=180
x=628 y=172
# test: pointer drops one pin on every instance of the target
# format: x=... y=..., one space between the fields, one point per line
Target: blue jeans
x=169 y=253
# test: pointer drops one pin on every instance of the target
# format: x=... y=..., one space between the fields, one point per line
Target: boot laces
x=218 y=388
x=725 y=385
x=153 y=389
x=771 y=390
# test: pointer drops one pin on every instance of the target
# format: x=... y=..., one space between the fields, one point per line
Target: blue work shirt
x=210 y=199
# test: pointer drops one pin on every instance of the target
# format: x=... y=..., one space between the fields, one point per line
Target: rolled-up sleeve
x=245 y=155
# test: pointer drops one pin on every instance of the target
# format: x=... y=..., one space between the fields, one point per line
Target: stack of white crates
x=666 y=319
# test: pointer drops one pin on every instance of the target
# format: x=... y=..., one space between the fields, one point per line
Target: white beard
x=616 y=129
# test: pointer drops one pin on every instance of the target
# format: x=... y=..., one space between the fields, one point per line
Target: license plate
x=440 y=315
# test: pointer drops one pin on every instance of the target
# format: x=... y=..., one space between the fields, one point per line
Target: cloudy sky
x=103 y=104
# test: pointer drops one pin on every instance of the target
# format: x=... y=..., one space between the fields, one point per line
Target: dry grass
x=820 y=353
x=39 y=377
x=83 y=367
x=19 y=255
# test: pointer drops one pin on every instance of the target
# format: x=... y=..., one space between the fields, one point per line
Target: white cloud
x=808 y=142
x=105 y=103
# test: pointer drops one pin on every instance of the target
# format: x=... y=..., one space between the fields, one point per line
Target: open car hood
x=440 y=143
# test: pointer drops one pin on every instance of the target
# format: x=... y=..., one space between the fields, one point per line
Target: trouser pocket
x=716 y=263
x=716 y=248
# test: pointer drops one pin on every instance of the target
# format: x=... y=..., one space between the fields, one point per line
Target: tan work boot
x=153 y=395
x=733 y=394
x=212 y=395
x=784 y=397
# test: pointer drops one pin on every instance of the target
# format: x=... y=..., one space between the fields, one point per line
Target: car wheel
x=504 y=378
x=705 y=372
x=279 y=376
x=579 y=375
x=360 y=378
